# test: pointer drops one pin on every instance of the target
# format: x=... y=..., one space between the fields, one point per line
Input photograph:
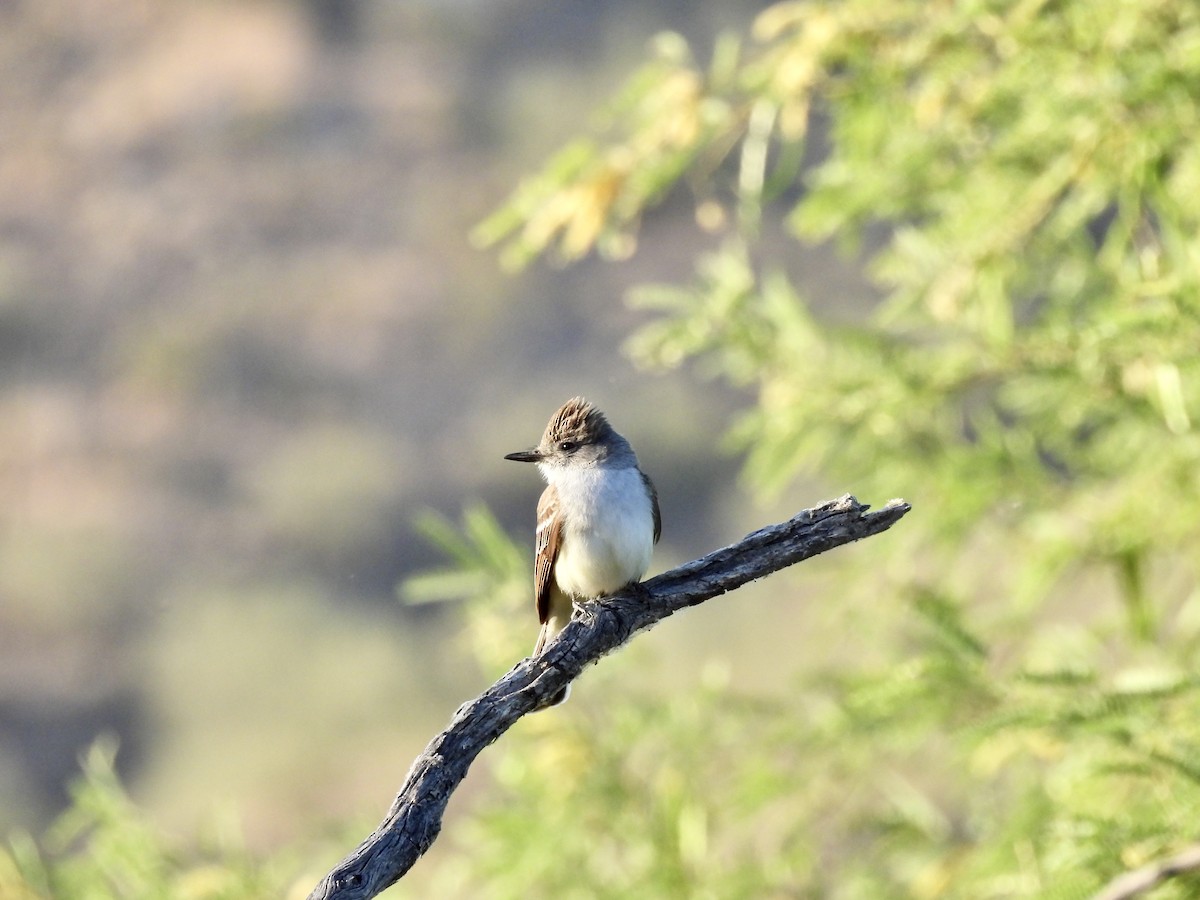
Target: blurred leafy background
x=257 y=377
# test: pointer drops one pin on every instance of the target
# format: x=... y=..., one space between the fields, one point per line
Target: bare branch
x=1138 y=881
x=599 y=627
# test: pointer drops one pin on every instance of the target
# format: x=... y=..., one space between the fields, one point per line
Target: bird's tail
x=550 y=628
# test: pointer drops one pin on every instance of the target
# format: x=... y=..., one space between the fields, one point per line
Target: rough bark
x=599 y=627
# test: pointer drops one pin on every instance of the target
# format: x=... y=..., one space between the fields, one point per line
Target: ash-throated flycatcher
x=597 y=521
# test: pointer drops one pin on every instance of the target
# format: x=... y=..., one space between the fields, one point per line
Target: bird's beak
x=525 y=456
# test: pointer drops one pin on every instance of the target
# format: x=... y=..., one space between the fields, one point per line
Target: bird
x=597 y=520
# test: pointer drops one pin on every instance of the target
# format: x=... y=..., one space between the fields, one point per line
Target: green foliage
x=490 y=573
x=1040 y=276
x=104 y=848
x=1017 y=180
x=660 y=125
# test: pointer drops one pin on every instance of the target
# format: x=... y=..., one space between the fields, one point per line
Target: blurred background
x=245 y=341
x=258 y=378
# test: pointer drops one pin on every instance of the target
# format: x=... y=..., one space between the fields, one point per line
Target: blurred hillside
x=244 y=341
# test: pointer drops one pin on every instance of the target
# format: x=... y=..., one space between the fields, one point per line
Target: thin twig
x=1138 y=881
x=601 y=626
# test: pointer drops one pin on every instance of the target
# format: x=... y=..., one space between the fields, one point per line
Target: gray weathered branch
x=599 y=627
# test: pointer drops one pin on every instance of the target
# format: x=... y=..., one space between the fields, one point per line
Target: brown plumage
x=578 y=421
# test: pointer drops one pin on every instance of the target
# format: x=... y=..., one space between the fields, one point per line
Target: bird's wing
x=549 y=530
x=653 y=505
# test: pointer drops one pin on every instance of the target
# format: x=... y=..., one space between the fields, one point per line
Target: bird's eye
x=567 y=446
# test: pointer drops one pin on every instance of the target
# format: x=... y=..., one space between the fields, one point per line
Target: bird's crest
x=578 y=421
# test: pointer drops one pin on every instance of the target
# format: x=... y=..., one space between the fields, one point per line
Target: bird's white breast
x=608 y=530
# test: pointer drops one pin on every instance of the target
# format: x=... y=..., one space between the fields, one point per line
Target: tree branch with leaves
x=1024 y=357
